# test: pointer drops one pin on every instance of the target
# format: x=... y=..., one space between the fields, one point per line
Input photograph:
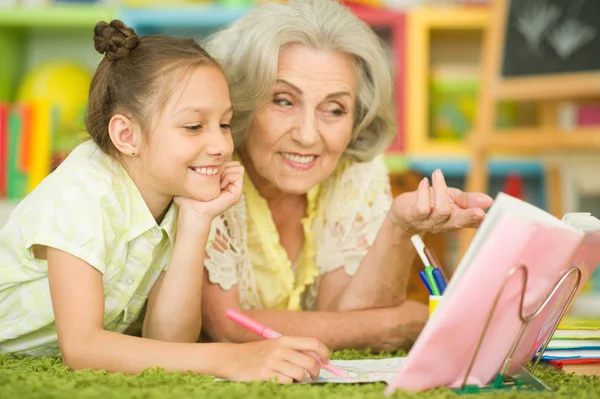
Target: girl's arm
x=174 y=311
x=78 y=303
x=385 y=329
x=174 y=305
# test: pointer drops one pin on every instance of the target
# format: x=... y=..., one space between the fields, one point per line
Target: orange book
x=578 y=366
x=4 y=109
x=40 y=144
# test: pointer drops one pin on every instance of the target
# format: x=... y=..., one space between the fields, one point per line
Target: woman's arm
x=174 y=305
x=374 y=255
x=78 y=303
x=383 y=273
x=378 y=329
x=380 y=280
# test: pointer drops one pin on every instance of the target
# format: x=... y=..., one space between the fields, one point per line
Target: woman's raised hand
x=438 y=208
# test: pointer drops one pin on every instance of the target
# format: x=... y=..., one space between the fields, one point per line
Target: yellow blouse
x=344 y=214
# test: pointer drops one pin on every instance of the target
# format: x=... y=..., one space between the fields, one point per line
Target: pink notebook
x=513 y=233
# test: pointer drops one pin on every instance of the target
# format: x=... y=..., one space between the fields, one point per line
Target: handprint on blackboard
x=534 y=21
x=550 y=36
x=571 y=35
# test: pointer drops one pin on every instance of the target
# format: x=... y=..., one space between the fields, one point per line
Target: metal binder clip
x=523 y=377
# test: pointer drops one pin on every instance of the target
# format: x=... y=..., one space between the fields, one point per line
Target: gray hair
x=249 y=52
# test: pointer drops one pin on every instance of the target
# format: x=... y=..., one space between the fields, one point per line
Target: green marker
x=431 y=280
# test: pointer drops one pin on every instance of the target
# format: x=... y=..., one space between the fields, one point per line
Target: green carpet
x=27 y=378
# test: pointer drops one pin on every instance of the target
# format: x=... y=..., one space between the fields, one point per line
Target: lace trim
x=343 y=218
x=355 y=203
x=228 y=259
x=354 y=216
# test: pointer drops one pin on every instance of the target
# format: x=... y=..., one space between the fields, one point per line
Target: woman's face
x=297 y=138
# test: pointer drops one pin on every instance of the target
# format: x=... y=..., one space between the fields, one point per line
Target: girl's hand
x=280 y=360
x=231 y=192
x=439 y=208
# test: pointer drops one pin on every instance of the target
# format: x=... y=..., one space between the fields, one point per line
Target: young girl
x=117 y=225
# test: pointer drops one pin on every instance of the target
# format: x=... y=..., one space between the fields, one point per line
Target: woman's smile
x=301 y=162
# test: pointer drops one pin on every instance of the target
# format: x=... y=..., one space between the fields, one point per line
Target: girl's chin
x=203 y=194
x=206 y=196
x=203 y=191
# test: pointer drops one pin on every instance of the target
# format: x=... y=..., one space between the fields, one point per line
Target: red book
x=513 y=186
x=23 y=160
x=564 y=362
x=588 y=115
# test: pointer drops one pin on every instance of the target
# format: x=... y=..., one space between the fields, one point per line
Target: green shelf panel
x=55 y=16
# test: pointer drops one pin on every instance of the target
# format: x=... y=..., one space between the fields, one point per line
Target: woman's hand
x=404 y=324
x=231 y=192
x=280 y=360
x=439 y=208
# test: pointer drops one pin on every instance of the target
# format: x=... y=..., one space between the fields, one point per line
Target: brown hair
x=130 y=76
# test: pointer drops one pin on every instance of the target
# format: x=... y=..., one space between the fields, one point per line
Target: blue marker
x=424 y=279
x=439 y=279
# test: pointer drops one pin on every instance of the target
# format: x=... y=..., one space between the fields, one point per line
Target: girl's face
x=185 y=154
x=296 y=140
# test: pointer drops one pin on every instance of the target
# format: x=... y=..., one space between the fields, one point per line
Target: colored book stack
x=454 y=90
x=586 y=305
x=28 y=146
x=572 y=115
x=575 y=346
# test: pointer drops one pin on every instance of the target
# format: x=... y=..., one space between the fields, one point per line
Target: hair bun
x=114 y=40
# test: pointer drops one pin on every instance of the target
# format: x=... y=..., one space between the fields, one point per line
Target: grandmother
x=317 y=246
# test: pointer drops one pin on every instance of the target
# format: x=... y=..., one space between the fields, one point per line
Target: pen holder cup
x=433 y=302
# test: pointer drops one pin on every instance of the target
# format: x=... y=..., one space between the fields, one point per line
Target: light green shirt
x=90 y=208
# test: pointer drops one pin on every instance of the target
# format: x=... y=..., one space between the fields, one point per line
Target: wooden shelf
x=432 y=147
x=55 y=16
x=421 y=22
x=553 y=88
x=453 y=17
x=538 y=142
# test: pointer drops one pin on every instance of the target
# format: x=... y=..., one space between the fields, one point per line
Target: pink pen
x=266 y=332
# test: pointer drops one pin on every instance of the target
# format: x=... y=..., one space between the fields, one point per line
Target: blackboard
x=548 y=37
